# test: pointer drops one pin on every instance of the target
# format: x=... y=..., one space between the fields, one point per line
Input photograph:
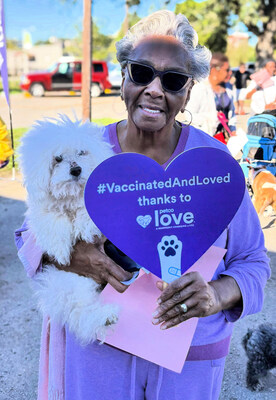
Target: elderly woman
x=160 y=59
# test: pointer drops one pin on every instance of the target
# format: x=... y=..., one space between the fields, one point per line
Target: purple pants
x=102 y=372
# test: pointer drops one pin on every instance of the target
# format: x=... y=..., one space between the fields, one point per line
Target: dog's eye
x=82 y=153
x=58 y=159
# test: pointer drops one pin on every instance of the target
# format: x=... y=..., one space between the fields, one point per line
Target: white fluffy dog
x=57 y=157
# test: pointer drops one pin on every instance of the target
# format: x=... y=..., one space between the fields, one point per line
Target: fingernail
x=163 y=327
x=159 y=301
x=155 y=313
x=155 y=321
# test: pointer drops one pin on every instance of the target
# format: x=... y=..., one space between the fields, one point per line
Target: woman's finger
x=176 y=299
x=120 y=287
x=114 y=269
x=180 y=318
x=177 y=285
x=176 y=311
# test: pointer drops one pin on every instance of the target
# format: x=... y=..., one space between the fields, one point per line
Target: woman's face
x=220 y=74
x=150 y=107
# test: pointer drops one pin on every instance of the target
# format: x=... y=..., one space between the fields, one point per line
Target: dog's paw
x=93 y=322
x=63 y=259
x=253 y=383
x=112 y=320
x=169 y=250
x=256 y=386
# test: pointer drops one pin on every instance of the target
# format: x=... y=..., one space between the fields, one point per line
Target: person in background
x=211 y=103
x=262 y=88
x=230 y=80
x=5 y=147
x=241 y=76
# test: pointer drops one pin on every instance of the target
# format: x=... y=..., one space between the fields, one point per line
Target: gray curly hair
x=167 y=23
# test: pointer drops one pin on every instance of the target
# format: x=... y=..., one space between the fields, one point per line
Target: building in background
x=239 y=49
x=33 y=58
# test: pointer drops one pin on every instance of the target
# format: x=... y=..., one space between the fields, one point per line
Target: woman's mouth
x=151 y=111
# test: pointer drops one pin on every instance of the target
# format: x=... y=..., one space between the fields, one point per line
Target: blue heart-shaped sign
x=165 y=220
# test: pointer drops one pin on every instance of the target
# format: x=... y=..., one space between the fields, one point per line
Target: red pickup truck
x=66 y=75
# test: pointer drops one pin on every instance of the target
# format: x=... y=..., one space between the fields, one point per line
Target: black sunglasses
x=143 y=74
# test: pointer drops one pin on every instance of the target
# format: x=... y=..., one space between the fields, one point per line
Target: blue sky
x=61 y=18
x=44 y=18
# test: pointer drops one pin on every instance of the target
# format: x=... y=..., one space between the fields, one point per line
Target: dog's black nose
x=75 y=171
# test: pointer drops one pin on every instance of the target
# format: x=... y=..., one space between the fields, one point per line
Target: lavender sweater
x=245 y=261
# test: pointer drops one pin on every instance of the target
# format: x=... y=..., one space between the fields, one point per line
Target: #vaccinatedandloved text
x=169 y=183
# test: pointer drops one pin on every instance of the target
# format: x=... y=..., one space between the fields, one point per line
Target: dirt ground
x=20 y=323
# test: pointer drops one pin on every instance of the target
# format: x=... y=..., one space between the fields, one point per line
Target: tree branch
x=253 y=28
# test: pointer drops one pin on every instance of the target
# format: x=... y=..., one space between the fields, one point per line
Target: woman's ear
x=187 y=97
x=122 y=85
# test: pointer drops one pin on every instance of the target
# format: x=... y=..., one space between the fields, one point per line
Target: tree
x=210 y=19
x=13 y=44
x=259 y=16
x=241 y=54
x=128 y=4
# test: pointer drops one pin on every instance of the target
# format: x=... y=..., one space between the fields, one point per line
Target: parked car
x=250 y=67
x=115 y=75
x=66 y=75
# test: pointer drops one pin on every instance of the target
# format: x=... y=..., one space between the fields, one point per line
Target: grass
x=19 y=132
x=14 y=86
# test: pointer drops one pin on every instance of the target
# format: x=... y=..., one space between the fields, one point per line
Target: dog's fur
x=56 y=158
x=260 y=347
x=263 y=185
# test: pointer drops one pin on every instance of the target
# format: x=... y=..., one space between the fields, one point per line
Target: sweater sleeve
x=246 y=260
x=29 y=252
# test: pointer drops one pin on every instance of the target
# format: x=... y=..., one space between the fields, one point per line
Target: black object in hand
x=119 y=257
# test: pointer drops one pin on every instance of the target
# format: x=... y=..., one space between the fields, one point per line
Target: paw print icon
x=170 y=250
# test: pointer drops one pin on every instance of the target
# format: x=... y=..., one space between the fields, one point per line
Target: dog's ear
x=34 y=163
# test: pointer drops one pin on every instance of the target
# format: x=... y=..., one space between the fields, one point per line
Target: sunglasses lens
x=141 y=74
x=174 y=82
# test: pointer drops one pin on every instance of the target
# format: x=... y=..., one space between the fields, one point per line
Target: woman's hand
x=90 y=260
x=271 y=106
x=201 y=298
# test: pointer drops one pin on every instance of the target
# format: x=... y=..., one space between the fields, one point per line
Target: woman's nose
x=155 y=88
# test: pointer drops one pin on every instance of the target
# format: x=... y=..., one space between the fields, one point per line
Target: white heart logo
x=144 y=220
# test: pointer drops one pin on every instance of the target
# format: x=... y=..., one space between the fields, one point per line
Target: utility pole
x=126 y=22
x=86 y=60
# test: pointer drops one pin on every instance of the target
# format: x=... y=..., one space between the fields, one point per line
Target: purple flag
x=3 y=54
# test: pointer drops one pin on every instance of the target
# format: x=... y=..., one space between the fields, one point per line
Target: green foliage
x=14 y=85
x=259 y=17
x=253 y=14
x=13 y=44
x=133 y=2
x=100 y=45
x=210 y=19
x=103 y=46
x=109 y=52
x=42 y=42
x=242 y=54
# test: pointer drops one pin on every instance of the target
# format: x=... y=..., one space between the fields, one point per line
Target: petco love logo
x=165 y=220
